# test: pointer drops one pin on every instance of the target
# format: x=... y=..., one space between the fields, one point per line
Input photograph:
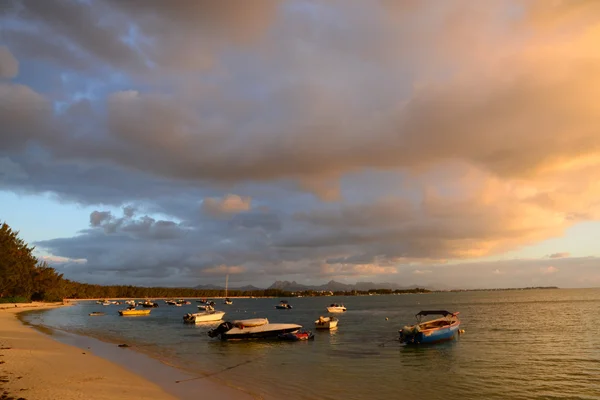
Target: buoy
x=386 y=318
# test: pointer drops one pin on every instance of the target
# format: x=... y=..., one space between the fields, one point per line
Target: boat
x=202 y=301
x=326 y=323
x=336 y=308
x=149 y=304
x=258 y=328
x=283 y=305
x=106 y=303
x=96 y=314
x=206 y=316
x=296 y=336
x=130 y=302
x=432 y=331
x=133 y=311
x=227 y=300
x=171 y=302
x=210 y=304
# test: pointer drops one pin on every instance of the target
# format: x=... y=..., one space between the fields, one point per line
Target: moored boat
x=258 y=328
x=206 y=316
x=432 y=331
x=326 y=323
x=283 y=305
x=96 y=314
x=336 y=308
x=133 y=311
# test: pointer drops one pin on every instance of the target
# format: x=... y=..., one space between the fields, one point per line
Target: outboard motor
x=224 y=327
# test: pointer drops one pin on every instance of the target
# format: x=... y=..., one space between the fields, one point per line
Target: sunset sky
x=445 y=143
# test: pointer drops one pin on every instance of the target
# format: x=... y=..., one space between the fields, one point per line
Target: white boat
x=336 y=308
x=258 y=328
x=227 y=301
x=130 y=302
x=206 y=316
x=326 y=323
x=106 y=303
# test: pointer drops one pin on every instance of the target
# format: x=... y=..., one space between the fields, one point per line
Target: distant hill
x=338 y=286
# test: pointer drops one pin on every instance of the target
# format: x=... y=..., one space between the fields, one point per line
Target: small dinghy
x=336 y=308
x=433 y=331
x=283 y=305
x=326 y=323
x=296 y=336
x=133 y=311
x=258 y=328
x=207 y=316
x=96 y=314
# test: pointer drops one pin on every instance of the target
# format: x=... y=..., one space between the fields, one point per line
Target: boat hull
x=326 y=323
x=204 y=317
x=336 y=309
x=126 y=313
x=244 y=332
x=283 y=307
x=432 y=336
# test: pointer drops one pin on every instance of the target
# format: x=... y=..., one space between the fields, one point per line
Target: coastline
x=59 y=365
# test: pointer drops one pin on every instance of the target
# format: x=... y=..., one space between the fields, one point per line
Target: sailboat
x=227 y=301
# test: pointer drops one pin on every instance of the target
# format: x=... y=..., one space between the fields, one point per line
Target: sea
x=517 y=344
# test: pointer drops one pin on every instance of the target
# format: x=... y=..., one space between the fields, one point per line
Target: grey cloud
x=9 y=66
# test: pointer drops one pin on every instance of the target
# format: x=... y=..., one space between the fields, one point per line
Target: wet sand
x=62 y=366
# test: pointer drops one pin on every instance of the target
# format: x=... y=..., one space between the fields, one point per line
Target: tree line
x=24 y=278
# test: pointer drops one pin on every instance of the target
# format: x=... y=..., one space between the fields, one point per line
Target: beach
x=35 y=366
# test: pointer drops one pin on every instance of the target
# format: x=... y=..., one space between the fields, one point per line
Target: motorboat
x=130 y=302
x=202 y=301
x=432 y=331
x=149 y=304
x=133 y=311
x=171 y=302
x=326 y=323
x=258 y=328
x=207 y=307
x=336 y=308
x=296 y=336
x=227 y=301
x=206 y=316
x=183 y=302
x=96 y=314
x=283 y=305
x=106 y=303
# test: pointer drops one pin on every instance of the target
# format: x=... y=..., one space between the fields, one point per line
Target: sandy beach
x=35 y=366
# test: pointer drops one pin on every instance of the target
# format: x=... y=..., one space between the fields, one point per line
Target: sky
x=449 y=144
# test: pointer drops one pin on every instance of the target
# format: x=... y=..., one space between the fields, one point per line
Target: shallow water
x=534 y=344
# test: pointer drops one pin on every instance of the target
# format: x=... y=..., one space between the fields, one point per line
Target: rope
x=218 y=372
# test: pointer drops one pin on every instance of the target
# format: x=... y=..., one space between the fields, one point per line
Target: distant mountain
x=338 y=286
x=247 y=288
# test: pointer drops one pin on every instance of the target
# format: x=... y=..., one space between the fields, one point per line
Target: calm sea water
x=535 y=344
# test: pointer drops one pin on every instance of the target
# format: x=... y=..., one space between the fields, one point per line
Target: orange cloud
x=228 y=205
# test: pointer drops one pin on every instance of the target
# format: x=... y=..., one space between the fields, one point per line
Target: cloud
x=359 y=139
x=230 y=204
x=9 y=66
x=548 y=270
x=422 y=272
x=224 y=270
x=559 y=255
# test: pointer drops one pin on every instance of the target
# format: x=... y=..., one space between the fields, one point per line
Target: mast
x=226 y=284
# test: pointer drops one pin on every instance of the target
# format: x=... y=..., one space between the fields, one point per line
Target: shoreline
x=44 y=363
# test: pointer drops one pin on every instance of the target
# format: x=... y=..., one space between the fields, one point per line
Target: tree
x=17 y=265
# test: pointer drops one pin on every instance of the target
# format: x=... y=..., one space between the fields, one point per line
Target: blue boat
x=432 y=331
